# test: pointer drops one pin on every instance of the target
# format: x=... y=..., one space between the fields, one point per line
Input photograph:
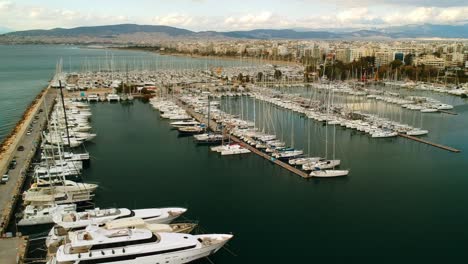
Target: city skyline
x=202 y=15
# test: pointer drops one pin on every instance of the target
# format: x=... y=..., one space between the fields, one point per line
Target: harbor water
x=403 y=200
x=27 y=69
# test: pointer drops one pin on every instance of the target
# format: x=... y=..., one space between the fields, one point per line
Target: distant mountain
x=428 y=30
x=111 y=32
x=103 y=31
x=364 y=34
x=280 y=34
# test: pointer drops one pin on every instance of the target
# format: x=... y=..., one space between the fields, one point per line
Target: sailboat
x=326 y=169
x=417 y=131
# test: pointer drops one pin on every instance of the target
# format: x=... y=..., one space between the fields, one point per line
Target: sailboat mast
x=64 y=112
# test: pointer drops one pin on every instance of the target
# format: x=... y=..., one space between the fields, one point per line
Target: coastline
x=198 y=56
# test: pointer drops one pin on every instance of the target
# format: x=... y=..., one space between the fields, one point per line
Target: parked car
x=20 y=148
x=12 y=165
x=5 y=179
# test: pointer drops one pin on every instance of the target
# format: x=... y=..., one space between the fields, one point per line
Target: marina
x=254 y=119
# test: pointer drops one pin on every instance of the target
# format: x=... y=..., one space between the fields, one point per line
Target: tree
x=240 y=77
x=408 y=59
x=396 y=64
x=259 y=76
x=278 y=74
x=120 y=88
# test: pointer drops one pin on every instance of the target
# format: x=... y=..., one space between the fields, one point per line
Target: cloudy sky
x=201 y=15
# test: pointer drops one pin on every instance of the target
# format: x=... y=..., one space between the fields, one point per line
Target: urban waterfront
x=397 y=194
x=27 y=69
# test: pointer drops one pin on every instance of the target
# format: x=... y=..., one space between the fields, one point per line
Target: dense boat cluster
x=322 y=105
x=326 y=109
x=457 y=91
x=59 y=196
x=224 y=124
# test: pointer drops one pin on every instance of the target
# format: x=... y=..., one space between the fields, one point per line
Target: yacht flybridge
x=98 y=245
x=57 y=234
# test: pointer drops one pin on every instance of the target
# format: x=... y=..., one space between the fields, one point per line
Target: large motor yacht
x=132 y=246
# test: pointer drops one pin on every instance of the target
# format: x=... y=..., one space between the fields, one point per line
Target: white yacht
x=184 y=123
x=38 y=215
x=384 y=134
x=43 y=172
x=42 y=196
x=286 y=155
x=57 y=234
x=417 y=132
x=302 y=161
x=228 y=147
x=66 y=156
x=113 y=97
x=101 y=216
x=235 y=151
x=93 y=98
x=132 y=246
x=329 y=173
x=322 y=164
x=62 y=186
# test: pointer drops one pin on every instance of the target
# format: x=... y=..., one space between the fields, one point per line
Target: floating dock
x=430 y=143
x=213 y=127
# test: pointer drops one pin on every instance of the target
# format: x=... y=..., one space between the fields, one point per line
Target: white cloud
x=433 y=15
x=174 y=19
x=395 y=3
x=27 y=17
x=264 y=19
x=6 y=5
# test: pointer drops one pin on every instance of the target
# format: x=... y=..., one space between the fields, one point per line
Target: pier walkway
x=10 y=191
x=13 y=250
x=429 y=143
x=213 y=127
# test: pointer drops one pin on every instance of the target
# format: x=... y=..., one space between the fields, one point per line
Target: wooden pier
x=213 y=126
x=429 y=143
x=268 y=157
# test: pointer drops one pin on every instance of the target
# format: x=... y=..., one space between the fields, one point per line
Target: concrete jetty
x=10 y=191
x=13 y=249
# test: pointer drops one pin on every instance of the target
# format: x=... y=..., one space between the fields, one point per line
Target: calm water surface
x=403 y=201
x=26 y=69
